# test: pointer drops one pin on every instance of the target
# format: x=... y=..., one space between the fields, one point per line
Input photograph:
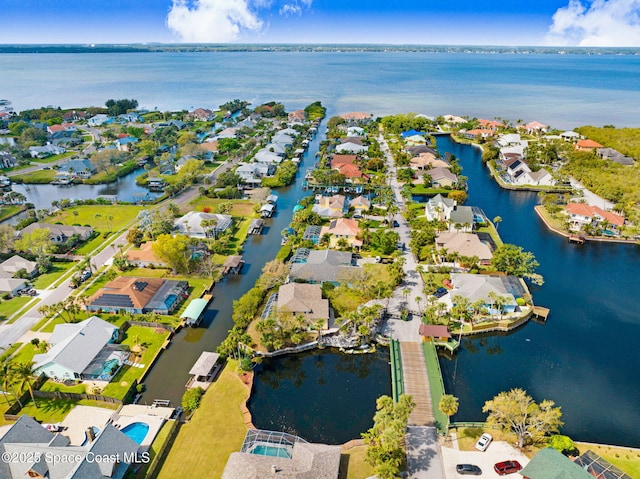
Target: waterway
x=586 y=357
x=321 y=396
x=168 y=376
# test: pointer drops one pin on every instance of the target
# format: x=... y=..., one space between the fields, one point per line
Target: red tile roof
x=587 y=144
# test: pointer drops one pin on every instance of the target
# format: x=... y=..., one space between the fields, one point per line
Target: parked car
x=85 y=275
x=440 y=292
x=27 y=292
x=483 y=442
x=507 y=467
x=395 y=224
x=468 y=469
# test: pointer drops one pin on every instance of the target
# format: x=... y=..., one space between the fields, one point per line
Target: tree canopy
x=515 y=411
x=118 y=107
x=513 y=260
x=173 y=250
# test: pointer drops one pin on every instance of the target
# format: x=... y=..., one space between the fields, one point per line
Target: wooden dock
x=540 y=313
x=416 y=383
x=578 y=239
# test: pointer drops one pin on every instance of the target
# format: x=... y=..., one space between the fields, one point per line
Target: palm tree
x=24 y=378
x=6 y=378
x=448 y=405
x=496 y=221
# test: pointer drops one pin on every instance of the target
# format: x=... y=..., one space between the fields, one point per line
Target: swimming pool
x=273 y=451
x=137 y=431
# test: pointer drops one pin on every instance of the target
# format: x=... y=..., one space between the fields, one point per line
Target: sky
x=432 y=22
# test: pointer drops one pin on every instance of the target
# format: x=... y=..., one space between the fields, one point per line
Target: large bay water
x=586 y=357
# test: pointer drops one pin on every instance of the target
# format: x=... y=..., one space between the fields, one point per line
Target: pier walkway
x=416 y=383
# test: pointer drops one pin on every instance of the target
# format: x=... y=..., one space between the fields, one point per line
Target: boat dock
x=204 y=371
x=540 y=313
x=192 y=315
x=233 y=265
x=578 y=239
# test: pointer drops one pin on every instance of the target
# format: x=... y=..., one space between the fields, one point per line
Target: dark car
x=440 y=292
x=395 y=224
x=507 y=467
x=468 y=469
x=85 y=275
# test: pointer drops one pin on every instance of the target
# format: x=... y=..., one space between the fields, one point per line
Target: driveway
x=497 y=451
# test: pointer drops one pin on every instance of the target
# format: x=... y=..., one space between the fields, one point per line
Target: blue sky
x=459 y=22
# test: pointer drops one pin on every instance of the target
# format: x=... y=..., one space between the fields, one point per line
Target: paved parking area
x=497 y=451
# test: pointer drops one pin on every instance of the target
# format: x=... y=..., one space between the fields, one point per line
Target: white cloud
x=211 y=21
x=290 y=9
x=600 y=23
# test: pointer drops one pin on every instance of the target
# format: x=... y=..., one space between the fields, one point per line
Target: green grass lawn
x=151 y=341
x=91 y=245
x=58 y=268
x=9 y=351
x=121 y=215
x=25 y=354
x=353 y=465
x=624 y=458
x=8 y=307
x=53 y=386
x=241 y=208
x=55 y=410
x=7 y=211
x=426 y=190
x=156 y=445
x=36 y=177
x=205 y=455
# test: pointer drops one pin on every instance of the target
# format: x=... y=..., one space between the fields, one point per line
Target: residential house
x=7 y=160
x=357 y=118
x=131 y=117
x=535 y=128
x=581 y=214
x=453 y=120
x=312 y=233
x=230 y=132
x=587 y=145
x=82 y=351
x=51 y=455
x=570 y=136
x=492 y=125
x=138 y=296
x=464 y=244
x=191 y=224
x=439 y=208
x=254 y=172
x=46 y=150
x=615 y=156
x=479 y=286
x=304 y=299
x=426 y=161
x=144 y=257
x=61 y=234
x=268 y=157
x=462 y=218
x=200 y=114
x=442 y=177
x=360 y=205
x=12 y=285
x=342 y=228
x=12 y=266
x=297 y=116
x=551 y=464
x=478 y=133
x=321 y=266
x=434 y=332
x=99 y=120
x=7 y=140
x=302 y=460
x=80 y=168
x=419 y=149
x=410 y=133
x=415 y=140
x=351 y=145
x=330 y=206
x=354 y=131
x=278 y=148
x=510 y=140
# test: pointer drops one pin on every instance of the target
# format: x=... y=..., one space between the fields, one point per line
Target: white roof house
x=191 y=224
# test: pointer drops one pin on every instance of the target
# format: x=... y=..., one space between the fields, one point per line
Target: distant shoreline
x=310 y=48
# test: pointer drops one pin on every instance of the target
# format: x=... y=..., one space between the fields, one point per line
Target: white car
x=483 y=442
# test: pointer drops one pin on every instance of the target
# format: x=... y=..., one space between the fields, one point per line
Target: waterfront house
x=441 y=177
x=305 y=300
x=453 y=119
x=479 y=286
x=330 y=206
x=312 y=233
x=82 y=351
x=126 y=144
x=191 y=224
x=342 y=228
x=462 y=218
x=321 y=266
x=434 y=332
x=296 y=117
x=268 y=157
x=12 y=266
x=581 y=214
x=51 y=455
x=138 y=296
x=353 y=131
x=79 y=168
x=144 y=257
x=360 y=205
x=61 y=234
x=478 y=133
x=415 y=140
x=295 y=458
x=439 y=208
x=551 y=464
x=535 y=128
x=200 y=114
x=418 y=149
x=427 y=160
x=253 y=173
x=351 y=145
x=492 y=125
x=357 y=118
x=464 y=244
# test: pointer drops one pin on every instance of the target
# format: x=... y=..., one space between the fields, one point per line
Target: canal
x=586 y=357
x=167 y=378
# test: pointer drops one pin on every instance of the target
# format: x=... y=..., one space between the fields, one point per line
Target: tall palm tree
x=25 y=377
x=6 y=378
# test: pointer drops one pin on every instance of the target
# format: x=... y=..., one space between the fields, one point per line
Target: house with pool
x=82 y=351
x=139 y=296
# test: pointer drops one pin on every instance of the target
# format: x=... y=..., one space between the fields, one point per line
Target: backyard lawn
x=55 y=410
x=150 y=341
x=241 y=208
x=352 y=464
x=201 y=453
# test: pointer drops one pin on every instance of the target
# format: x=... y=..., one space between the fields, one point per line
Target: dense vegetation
x=625 y=140
x=315 y=111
